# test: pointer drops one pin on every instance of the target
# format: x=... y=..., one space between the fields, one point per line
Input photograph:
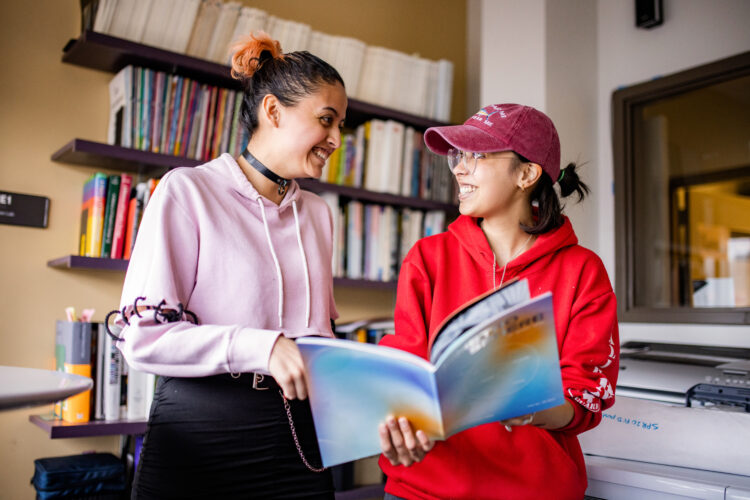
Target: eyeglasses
x=470 y=160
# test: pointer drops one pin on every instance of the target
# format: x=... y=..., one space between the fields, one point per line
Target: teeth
x=467 y=189
x=320 y=154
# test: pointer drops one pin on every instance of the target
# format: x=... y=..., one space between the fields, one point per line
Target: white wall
x=566 y=57
x=512 y=58
x=694 y=32
x=571 y=77
x=543 y=53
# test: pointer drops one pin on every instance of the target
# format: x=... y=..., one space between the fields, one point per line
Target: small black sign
x=23 y=209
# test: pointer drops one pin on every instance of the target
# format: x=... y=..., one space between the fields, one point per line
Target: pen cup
x=73 y=355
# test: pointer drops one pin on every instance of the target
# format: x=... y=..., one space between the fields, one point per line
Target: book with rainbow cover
x=493 y=359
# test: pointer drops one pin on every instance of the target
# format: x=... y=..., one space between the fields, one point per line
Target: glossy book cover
x=503 y=367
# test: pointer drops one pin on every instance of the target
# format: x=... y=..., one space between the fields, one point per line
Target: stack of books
x=111 y=214
x=207 y=28
x=368 y=331
x=173 y=115
x=389 y=157
x=371 y=240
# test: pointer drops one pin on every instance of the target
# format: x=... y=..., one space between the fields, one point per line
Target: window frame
x=625 y=102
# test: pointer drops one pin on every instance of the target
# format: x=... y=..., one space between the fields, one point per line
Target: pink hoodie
x=249 y=269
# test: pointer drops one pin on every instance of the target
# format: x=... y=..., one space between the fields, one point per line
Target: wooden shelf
x=96 y=154
x=107 y=53
x=103 y=264
x=80 y=262
x=56 y=428
x=100 y=155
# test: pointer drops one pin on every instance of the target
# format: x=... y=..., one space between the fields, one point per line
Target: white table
x=21 y=387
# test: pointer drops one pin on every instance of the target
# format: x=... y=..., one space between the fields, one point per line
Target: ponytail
x=549 y=210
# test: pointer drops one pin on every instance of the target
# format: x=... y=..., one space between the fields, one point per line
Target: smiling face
x=492 y=188
x=310 y=130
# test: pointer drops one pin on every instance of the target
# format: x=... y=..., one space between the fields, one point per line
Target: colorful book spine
x=85 y=209
x=187 y=125
x=59 y=361
x=183 y=118
x=159 y=92
x=121 y=216
x=110 y=212
x=134 y=221
x=138 y=107
x=130 y=228
x=218 y=123
x=167 y=109
x=95 y=192
x=233 y=146
x=76 y=337
x=175 y=114
x=111 y=376
x=210 y=120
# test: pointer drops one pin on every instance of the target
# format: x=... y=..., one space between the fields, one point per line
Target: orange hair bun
x=247 y=51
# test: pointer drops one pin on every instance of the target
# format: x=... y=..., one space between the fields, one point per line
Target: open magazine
x=495 y=358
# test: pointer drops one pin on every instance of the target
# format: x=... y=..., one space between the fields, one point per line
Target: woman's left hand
x=515 y=421
x=400 y=444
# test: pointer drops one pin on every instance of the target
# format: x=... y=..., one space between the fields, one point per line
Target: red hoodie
x=444 y=271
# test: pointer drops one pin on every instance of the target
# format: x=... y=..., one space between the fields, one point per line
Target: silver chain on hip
x=294 y=435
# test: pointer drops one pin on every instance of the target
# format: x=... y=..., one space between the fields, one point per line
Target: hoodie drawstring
x=278 y=268
x=275 y=261
x=304 y=264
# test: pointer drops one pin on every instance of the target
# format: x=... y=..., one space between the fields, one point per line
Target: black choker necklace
x=283 y=183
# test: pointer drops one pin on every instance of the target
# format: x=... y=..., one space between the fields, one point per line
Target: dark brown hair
x=263 y=69
x=549 y=211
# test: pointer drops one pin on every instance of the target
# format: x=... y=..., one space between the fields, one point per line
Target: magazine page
x=475 y=312
x=353 y=388
x=505 y=367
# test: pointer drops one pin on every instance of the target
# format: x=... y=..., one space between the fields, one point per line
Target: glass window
x=683 y=196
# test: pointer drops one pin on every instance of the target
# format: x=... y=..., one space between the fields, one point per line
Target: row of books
x=119 y=391
x=368 y=331
x=206 y=29
x=170 y=114
x=111 y=214
x=371 y=241
x=390 y=157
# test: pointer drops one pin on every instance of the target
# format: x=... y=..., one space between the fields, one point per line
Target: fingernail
x=507 y=428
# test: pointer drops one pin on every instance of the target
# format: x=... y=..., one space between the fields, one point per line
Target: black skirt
x=217 y=437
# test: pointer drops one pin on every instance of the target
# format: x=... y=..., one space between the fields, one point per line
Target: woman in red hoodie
x=506 y=159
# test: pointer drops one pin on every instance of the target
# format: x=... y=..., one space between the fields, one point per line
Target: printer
x=679 y=428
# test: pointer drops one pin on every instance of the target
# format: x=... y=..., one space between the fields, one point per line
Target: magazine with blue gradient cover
x=504 y=366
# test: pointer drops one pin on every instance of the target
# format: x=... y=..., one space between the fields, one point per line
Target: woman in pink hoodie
x=232 y=262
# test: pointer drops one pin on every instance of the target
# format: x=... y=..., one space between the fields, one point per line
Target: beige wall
x=44 y=104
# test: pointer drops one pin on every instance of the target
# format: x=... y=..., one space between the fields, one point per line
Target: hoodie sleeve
x=410 y=315
x=163 y=267
x=589 y=356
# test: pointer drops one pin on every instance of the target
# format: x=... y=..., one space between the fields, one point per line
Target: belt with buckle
x=260 y=382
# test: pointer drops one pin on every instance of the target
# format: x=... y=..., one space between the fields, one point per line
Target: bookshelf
x=96 y=154
x=56 y=428
x=107 y=53
x=103 y=264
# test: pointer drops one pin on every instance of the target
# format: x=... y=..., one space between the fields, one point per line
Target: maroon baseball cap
x=503 y=127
